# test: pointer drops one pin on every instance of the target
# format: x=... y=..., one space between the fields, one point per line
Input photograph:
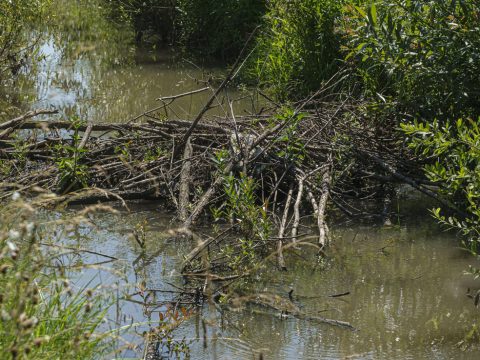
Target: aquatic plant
x=72 y=173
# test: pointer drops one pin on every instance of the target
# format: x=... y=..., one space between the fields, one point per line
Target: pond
x=406 y=292
x=404 y=287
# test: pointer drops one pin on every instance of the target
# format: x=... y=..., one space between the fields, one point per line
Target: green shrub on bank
x=455 y=148
x=420 y=57
x=16 y=45
x=299 y=48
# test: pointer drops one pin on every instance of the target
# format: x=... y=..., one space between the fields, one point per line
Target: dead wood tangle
x=315 y=157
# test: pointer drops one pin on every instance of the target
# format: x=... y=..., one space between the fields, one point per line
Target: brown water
x=407 y=293
x=407 y=288
x=91 y=69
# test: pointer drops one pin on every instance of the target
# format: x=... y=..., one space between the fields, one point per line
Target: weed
x=43 y=315
x=73 y=175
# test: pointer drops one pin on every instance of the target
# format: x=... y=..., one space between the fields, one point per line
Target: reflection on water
x=407 y=295
x=105 y=92
x=91 y=69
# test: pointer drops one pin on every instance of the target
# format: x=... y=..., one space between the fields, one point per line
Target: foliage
x=16 y=45
x=42 y=316
x=292 y=147
x=73 y=175
x=299 y=48
x=417 y=57
x=218 y=29
x=455 y=151
x=243 y=209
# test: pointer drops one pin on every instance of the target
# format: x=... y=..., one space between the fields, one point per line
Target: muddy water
x=90 y=69
x=407 y=294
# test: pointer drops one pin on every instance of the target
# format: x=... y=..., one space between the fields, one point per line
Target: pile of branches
x=299 y=157
x=315 y=155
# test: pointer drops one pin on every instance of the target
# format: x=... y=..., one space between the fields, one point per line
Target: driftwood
x=9 y=126
x=287 y=309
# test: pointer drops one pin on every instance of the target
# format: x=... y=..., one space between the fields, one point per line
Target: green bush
x=420 y=57
x=455 y=149
x=299 y=48
x=16 y=45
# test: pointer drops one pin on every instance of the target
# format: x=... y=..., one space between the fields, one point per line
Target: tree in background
x=17 y=45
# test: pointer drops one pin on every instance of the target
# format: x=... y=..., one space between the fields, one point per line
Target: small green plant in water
x=73 y=175
x=244 y=211
x=292 y=149
x=154 y=154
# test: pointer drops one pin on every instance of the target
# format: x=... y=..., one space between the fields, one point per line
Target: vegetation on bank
x=43 y=314
x=17 y=45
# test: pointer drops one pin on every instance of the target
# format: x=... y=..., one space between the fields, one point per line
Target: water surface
x=407 y=294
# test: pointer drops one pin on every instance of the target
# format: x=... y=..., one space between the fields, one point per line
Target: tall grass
x=299 y=48
x=43 y=316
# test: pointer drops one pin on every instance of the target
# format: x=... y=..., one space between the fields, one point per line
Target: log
x=9 y=126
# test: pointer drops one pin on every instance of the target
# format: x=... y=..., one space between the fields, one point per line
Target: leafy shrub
x=299 y=48
x=16 y=47
x=419 y=56
x=72 y=173
x=455 y=149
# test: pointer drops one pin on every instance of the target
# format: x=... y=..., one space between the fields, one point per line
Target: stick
x=322 y=205
x=88 y=131
x=281 y=231
x=296 y=210
x=412 y=183
x=204 y=200
x=184 y=191
x=174 y=97
x=213 y=97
